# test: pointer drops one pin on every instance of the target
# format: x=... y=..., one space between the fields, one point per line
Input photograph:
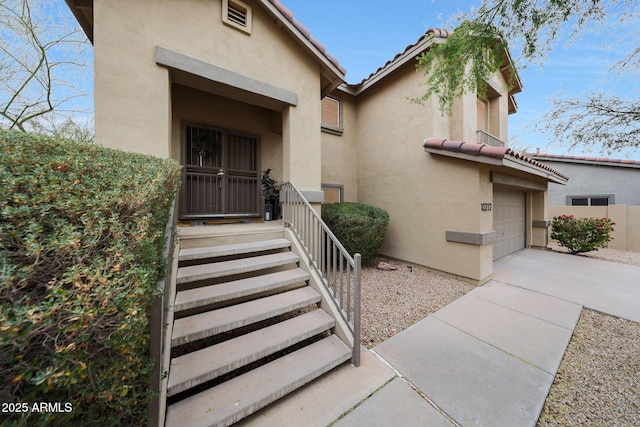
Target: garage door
x=508 y=221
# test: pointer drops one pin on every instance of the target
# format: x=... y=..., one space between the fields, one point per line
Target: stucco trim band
x=197 y=74
x=313 y=196
x=540 y=223
x=471 y=238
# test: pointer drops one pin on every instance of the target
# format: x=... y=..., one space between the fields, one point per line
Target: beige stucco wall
x=133 y=94
x=425 y=194
x=339 y=152
x=626 y=235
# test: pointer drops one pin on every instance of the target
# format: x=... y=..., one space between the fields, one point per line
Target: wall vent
x=237 y=15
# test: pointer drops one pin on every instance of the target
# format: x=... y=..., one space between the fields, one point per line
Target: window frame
x=610 y=198
x=338 y=187
x=336 y=130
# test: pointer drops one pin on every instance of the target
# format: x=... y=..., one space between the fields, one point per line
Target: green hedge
x=360 y=228
x=81 y=237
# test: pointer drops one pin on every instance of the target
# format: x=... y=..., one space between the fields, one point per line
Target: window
x=483 y=115
x=332 y=115
x=237 y=14
x=600 y=200
x=333 y=193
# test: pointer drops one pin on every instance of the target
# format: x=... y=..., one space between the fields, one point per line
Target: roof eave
x=334 y=74
x=528 y=168
x=82 y=9
x=408 y=55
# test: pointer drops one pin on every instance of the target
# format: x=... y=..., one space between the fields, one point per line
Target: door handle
x=220 y=176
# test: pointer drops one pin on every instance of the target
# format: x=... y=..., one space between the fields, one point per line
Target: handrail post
x=356 y=311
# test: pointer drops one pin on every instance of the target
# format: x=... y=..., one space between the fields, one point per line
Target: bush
x=581 y=234
x=360 y=228
x=81 y=237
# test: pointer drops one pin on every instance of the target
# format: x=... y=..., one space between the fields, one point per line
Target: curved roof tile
x=435 y=32
x=486 y=151
x=614 y=162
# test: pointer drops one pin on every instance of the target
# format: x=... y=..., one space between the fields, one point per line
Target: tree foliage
x=607 y=121
x=42 y=53
x=484 y=39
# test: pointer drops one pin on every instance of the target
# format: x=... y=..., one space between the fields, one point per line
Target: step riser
x=233 y=292
x=204 y=325
x=231 y=278
x=188 y=242
x=235 y=250
x=229 y=268
x=231 y=355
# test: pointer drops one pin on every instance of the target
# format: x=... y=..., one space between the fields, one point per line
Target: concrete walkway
x=487 y=359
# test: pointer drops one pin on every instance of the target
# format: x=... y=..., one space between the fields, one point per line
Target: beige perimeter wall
x=626 y=235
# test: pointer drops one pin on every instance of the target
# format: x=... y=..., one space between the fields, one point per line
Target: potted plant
x=271 y=194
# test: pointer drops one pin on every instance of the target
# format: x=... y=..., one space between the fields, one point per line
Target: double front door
x=221 y=173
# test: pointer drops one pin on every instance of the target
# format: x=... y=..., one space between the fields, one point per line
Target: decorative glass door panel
x=221 y=173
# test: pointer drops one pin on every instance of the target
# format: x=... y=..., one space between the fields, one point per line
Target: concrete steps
x=209 y=252
x=211 y=362
x=244 y=395
x=204 y=325
x=200 y=272
x=248 y=330
x=237 y=289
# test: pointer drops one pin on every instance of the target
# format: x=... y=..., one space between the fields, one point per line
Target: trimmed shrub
x=360 y=228
x=81 y=238
x=581 y=234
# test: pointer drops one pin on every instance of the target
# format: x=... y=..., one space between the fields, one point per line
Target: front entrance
x=221 y=173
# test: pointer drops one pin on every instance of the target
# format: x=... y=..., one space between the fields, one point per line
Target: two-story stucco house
x=230 y=88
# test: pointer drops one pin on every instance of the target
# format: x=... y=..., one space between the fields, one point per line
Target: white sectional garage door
x=508 y=221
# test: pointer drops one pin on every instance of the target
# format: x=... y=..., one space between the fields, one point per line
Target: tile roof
x=484 y=150
x=306 y=33
x=431 y=32
x=584 y=159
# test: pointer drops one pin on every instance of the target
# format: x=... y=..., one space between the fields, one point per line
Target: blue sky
x=363 y=35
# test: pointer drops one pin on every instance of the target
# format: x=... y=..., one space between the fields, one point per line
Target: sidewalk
x=488 y=358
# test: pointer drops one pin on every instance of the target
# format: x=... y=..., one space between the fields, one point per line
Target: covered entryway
x=508 y=221
x=221 y=176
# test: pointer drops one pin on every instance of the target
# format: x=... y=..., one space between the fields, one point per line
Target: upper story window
x=332 y=115
x=488 y=120
x=237 y=14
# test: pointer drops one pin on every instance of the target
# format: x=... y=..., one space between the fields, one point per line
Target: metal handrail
x=339 y=271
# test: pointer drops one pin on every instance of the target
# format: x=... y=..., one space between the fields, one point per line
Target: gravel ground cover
x=396 y=299
x=606 y=254
x=598 y=383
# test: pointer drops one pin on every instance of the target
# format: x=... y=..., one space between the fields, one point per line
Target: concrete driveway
x=604 y=286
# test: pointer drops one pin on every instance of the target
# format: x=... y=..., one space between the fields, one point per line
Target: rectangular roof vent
x=237 y=15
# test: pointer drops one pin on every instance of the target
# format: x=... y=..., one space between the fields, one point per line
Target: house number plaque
x=486 y=207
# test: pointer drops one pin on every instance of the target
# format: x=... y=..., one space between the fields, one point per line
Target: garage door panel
x=508 y=221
